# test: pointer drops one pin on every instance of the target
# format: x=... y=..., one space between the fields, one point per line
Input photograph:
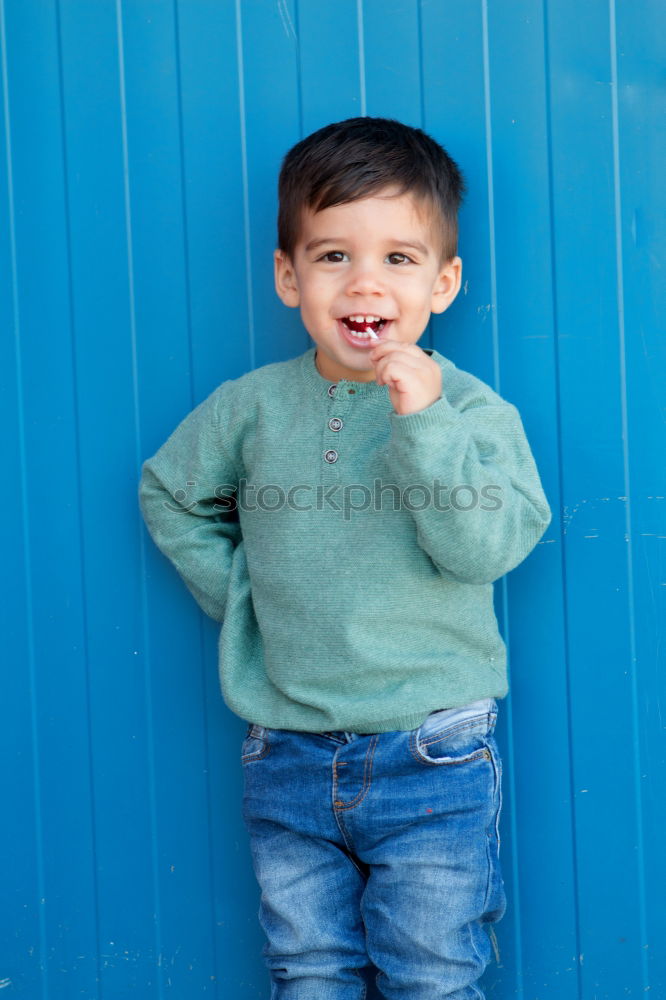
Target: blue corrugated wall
x=140 y=145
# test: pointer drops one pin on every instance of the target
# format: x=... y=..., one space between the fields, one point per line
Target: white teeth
x=365 y=319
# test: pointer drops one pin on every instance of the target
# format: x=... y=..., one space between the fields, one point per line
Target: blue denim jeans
x=377 y=853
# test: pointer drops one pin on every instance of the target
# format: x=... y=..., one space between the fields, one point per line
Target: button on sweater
x=348 y=551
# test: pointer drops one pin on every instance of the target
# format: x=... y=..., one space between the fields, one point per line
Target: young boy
x=345 y=515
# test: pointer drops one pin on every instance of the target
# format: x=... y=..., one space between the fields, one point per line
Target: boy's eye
x=334 y=256
x=399 y=258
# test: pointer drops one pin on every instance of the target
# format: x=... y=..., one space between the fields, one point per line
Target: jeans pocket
x=255 y=745
x=455 y=736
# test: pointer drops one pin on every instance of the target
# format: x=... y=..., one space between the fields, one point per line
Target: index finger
x=384 y=347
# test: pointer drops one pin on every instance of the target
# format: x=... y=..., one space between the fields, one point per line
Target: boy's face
x=372 y=262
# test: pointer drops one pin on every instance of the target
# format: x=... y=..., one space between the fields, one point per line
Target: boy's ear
x=286 y=284
x=447 y=285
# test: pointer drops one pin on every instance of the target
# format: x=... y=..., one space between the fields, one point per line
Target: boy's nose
x=365 y=280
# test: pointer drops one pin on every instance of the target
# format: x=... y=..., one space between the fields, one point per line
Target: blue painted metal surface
x=140 y=145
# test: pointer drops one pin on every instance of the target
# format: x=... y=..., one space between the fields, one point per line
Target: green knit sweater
x=349 y=551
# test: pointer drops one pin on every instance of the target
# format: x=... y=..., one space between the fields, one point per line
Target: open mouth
x=364 y=327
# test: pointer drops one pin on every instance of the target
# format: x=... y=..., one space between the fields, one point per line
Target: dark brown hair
x=360 y=157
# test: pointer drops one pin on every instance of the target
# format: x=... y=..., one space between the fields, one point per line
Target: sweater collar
x=321 y=385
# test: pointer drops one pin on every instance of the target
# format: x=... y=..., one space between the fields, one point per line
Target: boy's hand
x=414 y=380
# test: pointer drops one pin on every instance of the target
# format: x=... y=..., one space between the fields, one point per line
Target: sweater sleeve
x=186 y=495
x=487 y=509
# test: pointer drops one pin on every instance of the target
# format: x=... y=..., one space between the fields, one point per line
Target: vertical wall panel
x=455 y=112
x=52 y=957
x=595 y=488
x=139 y=151
x=640 y=117
x=270 y=106
x=332 y=59
x=21 y=886
x=103 y=317
x=392 y=60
